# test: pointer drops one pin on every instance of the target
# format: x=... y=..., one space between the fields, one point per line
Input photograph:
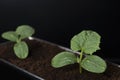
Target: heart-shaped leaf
x=88 y=41
x=10 y=35
x=25 y=31
x=63 y=59
x=21 y=50
x=94 y=64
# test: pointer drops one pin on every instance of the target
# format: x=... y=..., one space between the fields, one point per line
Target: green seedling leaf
x=88 y=41
x=21 y=50
x=25 y=31
x=10 y=35
x=94 y=64
x=63 y=59
x=20 y=47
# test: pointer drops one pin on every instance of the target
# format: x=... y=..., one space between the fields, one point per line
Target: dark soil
x=39 y=63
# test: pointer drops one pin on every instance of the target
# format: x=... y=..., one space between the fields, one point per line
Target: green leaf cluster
x=86 y=43
x=20 y=47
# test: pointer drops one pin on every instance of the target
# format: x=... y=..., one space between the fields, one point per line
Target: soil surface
x=39 y=63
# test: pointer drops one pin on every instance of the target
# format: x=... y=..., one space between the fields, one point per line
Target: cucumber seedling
x=20 y=47
x=85 y=44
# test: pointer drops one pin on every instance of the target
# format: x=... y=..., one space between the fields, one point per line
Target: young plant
x=20 y=47
x=85 y=44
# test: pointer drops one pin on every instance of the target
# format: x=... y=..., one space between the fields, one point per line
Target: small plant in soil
x=84 y=44
x=20 y=48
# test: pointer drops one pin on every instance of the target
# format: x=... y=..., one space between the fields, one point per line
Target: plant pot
x=12 y=73
x=37 y=65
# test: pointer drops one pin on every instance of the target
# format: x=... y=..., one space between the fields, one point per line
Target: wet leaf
x=88 y=41
x=21 y=50
x=10 y=35
x=94 y=64
x=63 y=59
x=25 y=31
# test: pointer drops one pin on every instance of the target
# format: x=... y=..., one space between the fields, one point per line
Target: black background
x=58 y=20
